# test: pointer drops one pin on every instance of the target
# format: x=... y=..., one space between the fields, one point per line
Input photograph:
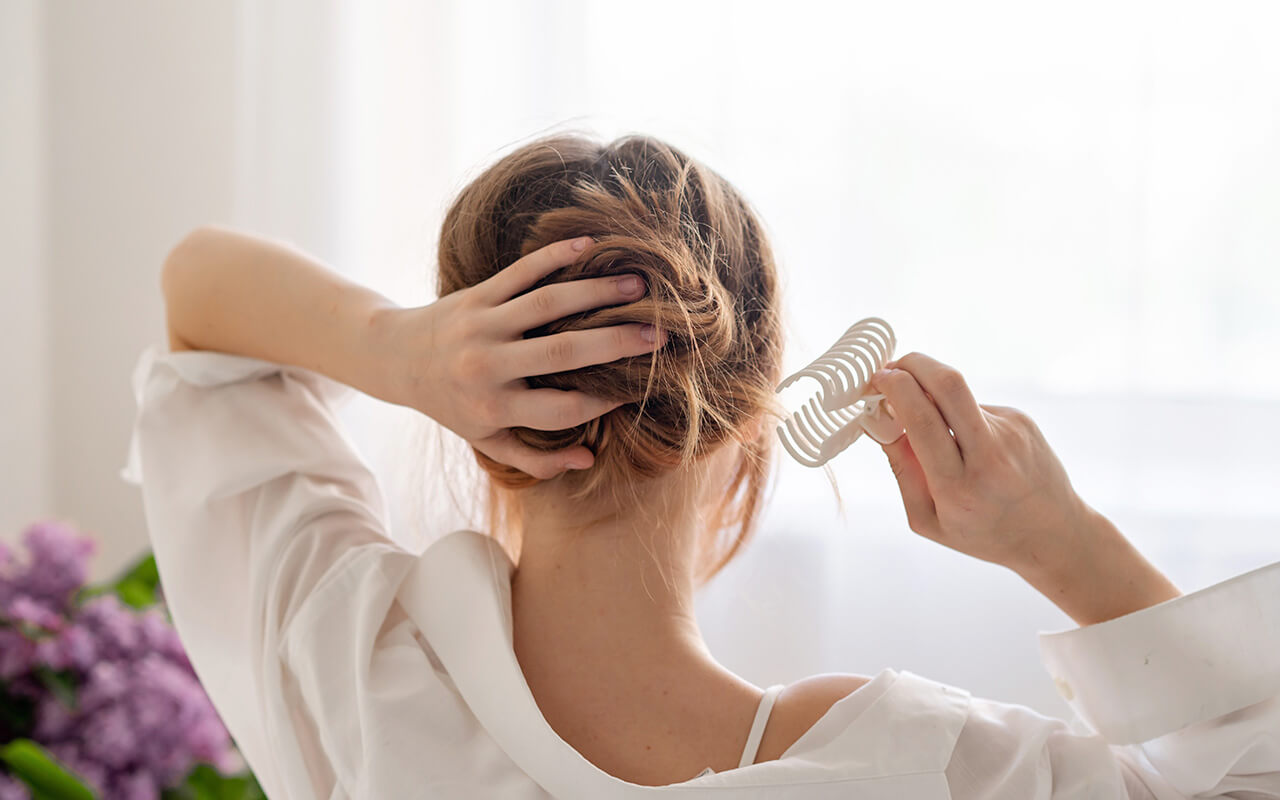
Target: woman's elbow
x=180 y=276
x=183 y=255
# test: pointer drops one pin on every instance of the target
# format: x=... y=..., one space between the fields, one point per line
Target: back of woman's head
x=712 y=288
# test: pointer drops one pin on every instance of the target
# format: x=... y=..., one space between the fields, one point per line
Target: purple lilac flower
x=136 y=785
x=59 y=562
x=115 y=627
x=8 y=565
x=140 y=720
x=108 y=737
x=160 y=637
x=71 y=648
x=9 y=568
x=24 y=608
x=106 y=683
x=91 y=773
x=11 y=789
x=16 y=654
x=54 y=720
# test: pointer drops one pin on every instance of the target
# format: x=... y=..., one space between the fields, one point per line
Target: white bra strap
x=757 y=726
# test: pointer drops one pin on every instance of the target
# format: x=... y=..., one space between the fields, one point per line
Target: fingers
x=550 y=303
x=556 y=409
x=528 y=270
x=506 y=449
x=927 y=431
x=922 y=514
x=561 y=352
x=953 y=399
x=1003 y=411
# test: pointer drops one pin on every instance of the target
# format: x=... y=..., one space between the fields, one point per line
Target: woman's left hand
x=462 y=360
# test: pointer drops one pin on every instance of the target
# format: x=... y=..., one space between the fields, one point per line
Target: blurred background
x=1075 y=205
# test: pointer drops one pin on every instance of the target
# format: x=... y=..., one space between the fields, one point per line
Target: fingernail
x=879 y=375
x=648 y=333
x=581 y=244
x=891 y=364
x=630 y=285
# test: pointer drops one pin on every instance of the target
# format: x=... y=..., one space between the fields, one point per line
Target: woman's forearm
x=235 y=293
x=1102 y=577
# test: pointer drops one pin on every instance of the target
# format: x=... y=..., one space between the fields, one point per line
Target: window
x=1076 y=206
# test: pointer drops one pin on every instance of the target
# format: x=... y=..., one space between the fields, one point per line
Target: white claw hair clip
x=843 y=410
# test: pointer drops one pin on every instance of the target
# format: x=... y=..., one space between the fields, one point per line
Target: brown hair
x=712 y=287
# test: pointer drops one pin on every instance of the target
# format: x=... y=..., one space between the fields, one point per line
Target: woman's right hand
x=995 y=490
x=463 y=360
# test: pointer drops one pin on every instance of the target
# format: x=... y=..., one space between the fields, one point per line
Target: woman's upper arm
x=254 y=497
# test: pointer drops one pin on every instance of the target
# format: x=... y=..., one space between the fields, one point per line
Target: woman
x=625 y=427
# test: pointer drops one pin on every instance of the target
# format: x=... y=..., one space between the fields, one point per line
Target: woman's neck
x=607 y=602
x=622 y=586
x=607 y=639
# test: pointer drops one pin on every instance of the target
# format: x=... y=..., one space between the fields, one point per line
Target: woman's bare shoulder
x=801 y=705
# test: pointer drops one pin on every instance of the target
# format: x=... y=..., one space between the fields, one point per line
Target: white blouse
x=348 y=667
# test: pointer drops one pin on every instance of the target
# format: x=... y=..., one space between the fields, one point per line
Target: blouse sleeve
x=255 y=500
x=1179 y=700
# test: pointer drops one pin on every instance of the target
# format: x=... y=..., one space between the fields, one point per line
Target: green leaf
x=206 y=783
x=135 y=594
x=136 y=586
x=48 y=779
x=144 y=571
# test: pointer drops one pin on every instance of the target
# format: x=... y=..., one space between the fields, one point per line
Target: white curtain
x=1075 y=205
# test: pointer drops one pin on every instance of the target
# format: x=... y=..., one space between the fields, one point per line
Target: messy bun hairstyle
x=712 y=287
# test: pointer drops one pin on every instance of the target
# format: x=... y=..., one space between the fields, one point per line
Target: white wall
x=124 y=126
x=118 y=137
x=140 y=126
x=25 y=463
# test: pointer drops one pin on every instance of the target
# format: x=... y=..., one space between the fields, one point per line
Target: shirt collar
x=459 y=594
